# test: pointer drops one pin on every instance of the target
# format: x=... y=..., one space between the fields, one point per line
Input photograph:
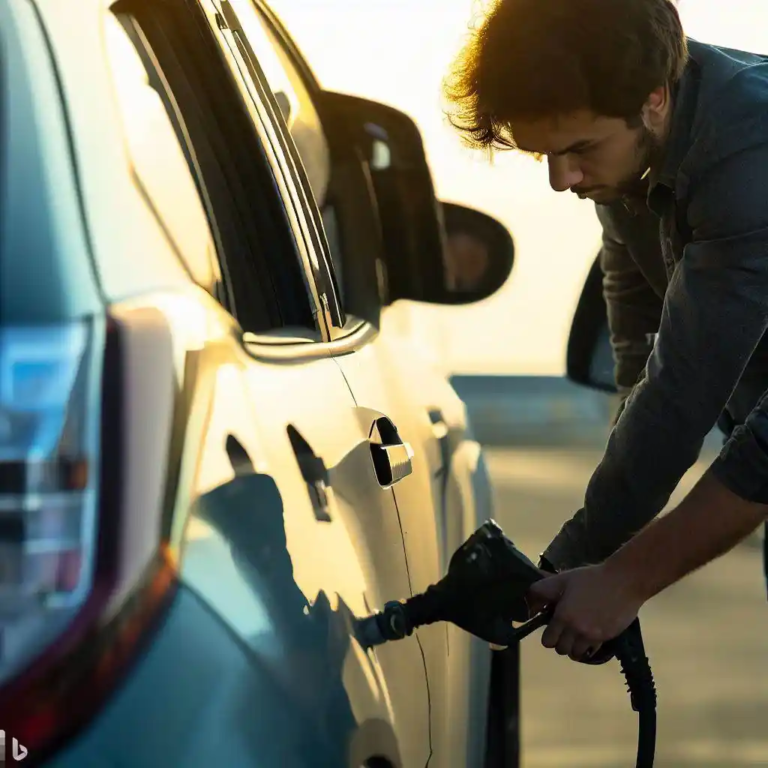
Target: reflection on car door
x=375 y=381
x=380 y=381
x=291 y=537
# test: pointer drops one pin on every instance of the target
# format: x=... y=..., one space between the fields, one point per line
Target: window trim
x=283 y=344
x=273 y=132
x=351 y=329
x=264 y=347
x=302 y=67
x=305 y=197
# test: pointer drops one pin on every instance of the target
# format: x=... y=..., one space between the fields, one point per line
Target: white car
x=215 y=451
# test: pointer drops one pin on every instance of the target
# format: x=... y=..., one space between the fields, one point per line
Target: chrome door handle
x=391 y=455
x=392 y=462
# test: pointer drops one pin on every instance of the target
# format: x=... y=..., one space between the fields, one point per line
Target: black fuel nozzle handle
x=485 y=589
x=483 y=592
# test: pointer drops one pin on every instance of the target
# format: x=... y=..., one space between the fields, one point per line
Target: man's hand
x=596 y=603
x=592 y=607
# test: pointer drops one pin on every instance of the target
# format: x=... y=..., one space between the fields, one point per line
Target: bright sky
x=398 y=51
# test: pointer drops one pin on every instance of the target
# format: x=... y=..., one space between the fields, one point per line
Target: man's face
x=600 y=158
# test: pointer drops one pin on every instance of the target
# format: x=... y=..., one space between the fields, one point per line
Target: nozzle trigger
x=530 y=626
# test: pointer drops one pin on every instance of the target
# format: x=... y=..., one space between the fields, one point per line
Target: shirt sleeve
x=633 y=307
x=714 y=314
x=742 y=465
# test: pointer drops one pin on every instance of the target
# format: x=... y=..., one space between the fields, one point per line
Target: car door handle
x=439 y=426
x=441 y=432
x=392 y=463
x=392 y=458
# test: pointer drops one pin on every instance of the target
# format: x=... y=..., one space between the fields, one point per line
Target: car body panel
x=249 y=544
x=441 y=503
x=369 y=372
x=119 y=215
x=42 y=230
x=229 y=711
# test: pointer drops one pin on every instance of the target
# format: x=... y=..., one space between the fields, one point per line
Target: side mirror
x=589 y=357
x=427 y=246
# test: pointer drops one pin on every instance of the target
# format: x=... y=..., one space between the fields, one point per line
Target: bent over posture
x=669 y=138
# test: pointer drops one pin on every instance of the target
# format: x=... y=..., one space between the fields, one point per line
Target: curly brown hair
x=535 y=59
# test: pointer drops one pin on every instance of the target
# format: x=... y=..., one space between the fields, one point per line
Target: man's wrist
x=631 y=571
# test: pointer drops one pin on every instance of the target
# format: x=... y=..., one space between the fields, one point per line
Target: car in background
x=216 y=452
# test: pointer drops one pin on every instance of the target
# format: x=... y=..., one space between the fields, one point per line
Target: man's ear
x=656 y=108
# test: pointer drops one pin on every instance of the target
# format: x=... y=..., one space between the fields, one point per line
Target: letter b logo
x=19 y=751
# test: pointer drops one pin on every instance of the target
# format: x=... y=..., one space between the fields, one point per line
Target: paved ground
x=707 y=638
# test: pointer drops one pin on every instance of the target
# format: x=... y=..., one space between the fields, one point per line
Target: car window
x=261 y=50
x=266 y=286
x=158 y=160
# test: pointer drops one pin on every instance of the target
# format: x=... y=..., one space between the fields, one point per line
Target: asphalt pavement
x=706 y=637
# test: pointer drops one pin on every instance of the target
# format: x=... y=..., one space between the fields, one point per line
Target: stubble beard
x=648 y=152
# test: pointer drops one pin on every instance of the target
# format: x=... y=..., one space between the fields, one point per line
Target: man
x=669 y=137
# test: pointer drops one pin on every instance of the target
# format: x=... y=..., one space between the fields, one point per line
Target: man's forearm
x=709 y=522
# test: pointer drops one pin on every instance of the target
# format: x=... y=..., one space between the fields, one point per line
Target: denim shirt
x=686 y=286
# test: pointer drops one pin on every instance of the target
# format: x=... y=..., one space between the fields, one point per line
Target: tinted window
x=301 y=118
x=264 y=280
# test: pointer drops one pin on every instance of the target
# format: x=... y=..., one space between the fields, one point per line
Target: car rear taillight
x=48 y=453
x=64 y=640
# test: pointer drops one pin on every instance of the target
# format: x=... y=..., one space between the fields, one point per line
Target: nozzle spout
x=390 y=624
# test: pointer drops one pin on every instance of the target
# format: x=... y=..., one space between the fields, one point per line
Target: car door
x=270 y=502
x=337 y=510
x=381 y=378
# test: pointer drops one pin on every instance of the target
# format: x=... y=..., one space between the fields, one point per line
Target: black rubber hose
x=630 y=651
x=642 y=690
x=646 y=738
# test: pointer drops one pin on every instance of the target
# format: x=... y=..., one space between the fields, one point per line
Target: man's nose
x=564 y=173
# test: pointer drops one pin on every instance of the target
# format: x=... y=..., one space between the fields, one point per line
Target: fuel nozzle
x=390 y=624
x=483 y=592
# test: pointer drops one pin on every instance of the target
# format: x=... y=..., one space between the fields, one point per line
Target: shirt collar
x=684 y=98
